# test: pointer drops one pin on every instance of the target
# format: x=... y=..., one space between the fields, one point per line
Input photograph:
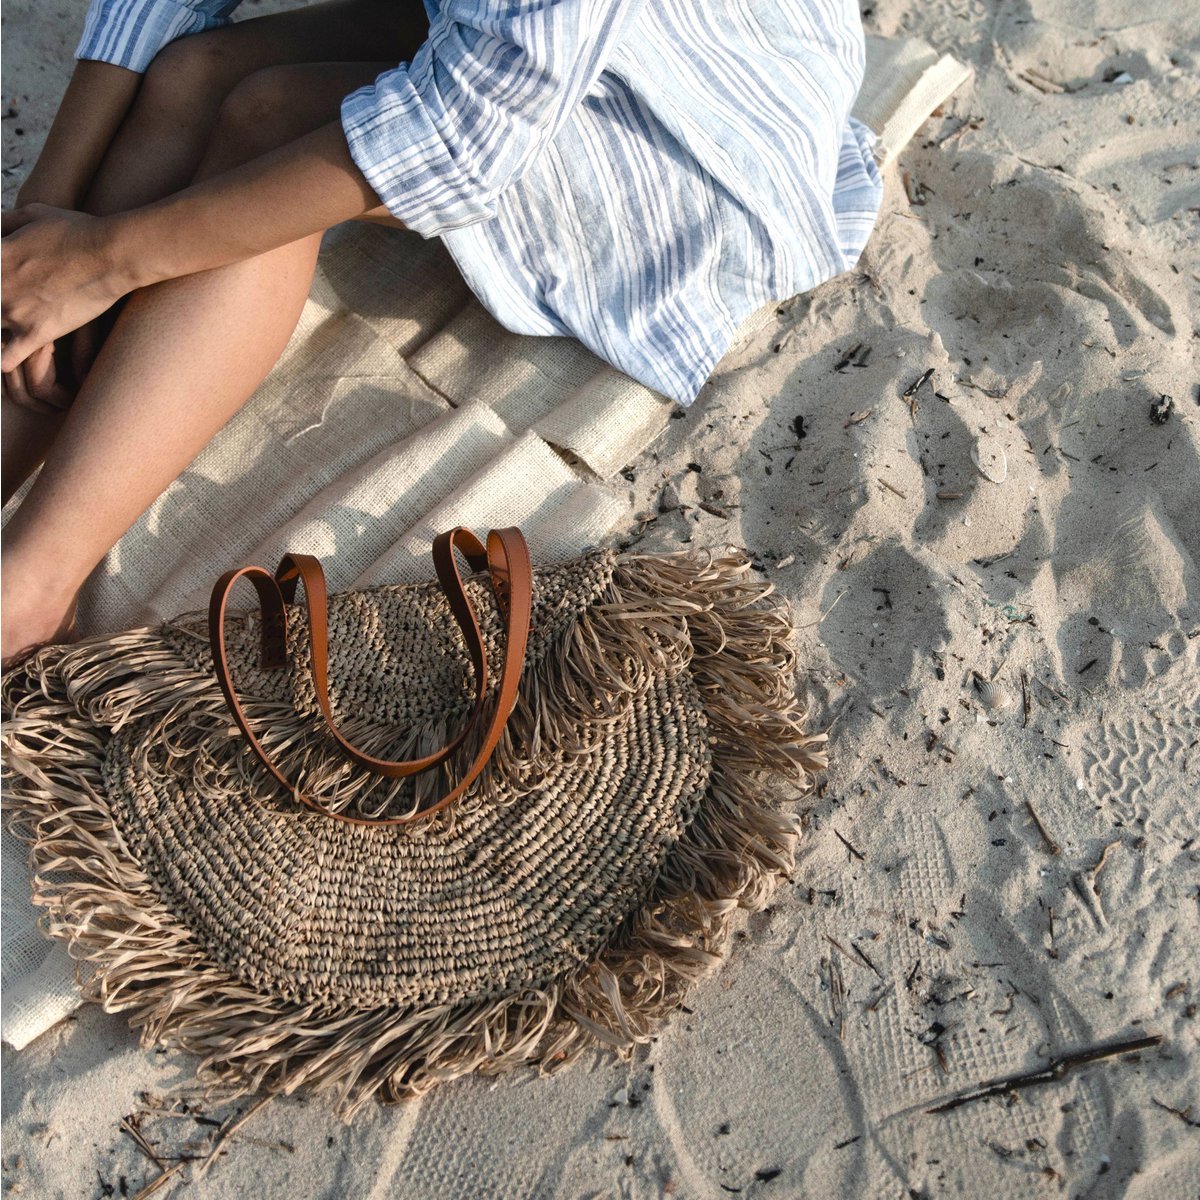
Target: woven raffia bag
x=349 y=931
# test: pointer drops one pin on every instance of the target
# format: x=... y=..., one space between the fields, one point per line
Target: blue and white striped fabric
x=639 y=174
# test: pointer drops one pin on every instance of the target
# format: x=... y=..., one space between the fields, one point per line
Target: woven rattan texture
x=528 y=879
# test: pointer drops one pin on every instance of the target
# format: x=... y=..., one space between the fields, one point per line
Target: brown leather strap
x=295 y=568
x=506 y=557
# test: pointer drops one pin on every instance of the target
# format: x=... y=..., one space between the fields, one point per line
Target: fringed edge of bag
x=147 y=964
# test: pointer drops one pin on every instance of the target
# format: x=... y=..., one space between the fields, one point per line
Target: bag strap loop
x=506 y=559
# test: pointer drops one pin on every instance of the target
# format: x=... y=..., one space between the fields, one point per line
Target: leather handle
x=304 y=568
x=506 y=558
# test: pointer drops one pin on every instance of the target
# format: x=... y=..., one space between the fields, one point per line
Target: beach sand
x=973 y=464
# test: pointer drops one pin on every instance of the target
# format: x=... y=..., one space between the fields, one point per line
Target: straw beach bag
x=392 y=880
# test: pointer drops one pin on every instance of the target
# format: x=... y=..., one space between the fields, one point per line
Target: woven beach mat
x=638 y=797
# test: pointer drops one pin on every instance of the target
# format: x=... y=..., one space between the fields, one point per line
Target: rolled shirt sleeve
x=129 y=33
x=441 y=138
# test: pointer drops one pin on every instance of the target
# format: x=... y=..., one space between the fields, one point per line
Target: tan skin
x=197 y=195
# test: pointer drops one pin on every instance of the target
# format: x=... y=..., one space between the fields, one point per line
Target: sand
x=996 y=581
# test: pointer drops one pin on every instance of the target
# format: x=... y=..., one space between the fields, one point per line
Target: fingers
x=42 y=382
x=16 y=390
x=17 y=348
x=34 y=384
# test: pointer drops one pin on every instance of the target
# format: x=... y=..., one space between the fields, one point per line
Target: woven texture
x=516 y=891
x=567 y=901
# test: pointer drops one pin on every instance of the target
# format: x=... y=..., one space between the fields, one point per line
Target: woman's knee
x=258 y=114
x=190 y=77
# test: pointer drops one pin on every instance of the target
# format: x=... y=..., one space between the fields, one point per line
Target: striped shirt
x=639 y=174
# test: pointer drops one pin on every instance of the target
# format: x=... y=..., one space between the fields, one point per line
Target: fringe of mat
x=706 y=615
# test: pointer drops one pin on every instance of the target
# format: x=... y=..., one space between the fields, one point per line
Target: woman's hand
x=48 y=381
x=60 y=272
x=36 y=385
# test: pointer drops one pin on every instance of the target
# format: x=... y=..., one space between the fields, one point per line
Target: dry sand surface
x=974 y=465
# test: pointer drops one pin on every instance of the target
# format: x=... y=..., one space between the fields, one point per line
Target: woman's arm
x=64 y=268
x=96 y=101
x=302 y=188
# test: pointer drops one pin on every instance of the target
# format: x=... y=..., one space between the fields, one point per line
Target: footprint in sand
x=1039 y=246
x=890 y=604
x=1122 y=595
x=731 y=1134
x=981 y=478
x=1140 y=764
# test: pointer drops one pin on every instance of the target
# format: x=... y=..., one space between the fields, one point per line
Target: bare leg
x=163 y=140
x=153 y=399
x=27 y=435
x=167 y=133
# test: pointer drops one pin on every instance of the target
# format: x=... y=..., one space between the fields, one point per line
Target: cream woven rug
x=400 y=408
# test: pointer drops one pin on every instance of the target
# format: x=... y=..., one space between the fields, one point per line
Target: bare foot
x=26 y=627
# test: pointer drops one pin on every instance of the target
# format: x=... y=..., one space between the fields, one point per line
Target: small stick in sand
x=915 y=387
x=878 y=998
x=1048 y=87
x=1100 y=865
x=1184 y=1114
x=967 y=124
x=227 y=1131
x=1051 y=690
x=1056 y=1069
x=1026 y=703
x=1051 y=844
x=884 y=483
x=862 y=954
x=143 y=1145
x=910 y=393
x=826 y=613
x=160 y=1182
x=853 y=850
x=837 y=945
x=223 y=1134
x=838 y=988
x=1085 y=888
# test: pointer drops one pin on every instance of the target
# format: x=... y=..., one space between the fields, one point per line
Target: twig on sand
x=910 y=393
x=826 y=613
x=884 y=483
x=1055 y=1070
x=1100 y=865
x=1051 y=844
x=1048 y=87
x=862 y=954
x=1051 y=690
x=1026 y=702
x=914 y=387
x=160 y=1182
x=837 y=989
x=1184 y=1114
x=225 y=1132
x=853 y=850
x=143 y=1145
x=879 y=996
x=966 y=125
